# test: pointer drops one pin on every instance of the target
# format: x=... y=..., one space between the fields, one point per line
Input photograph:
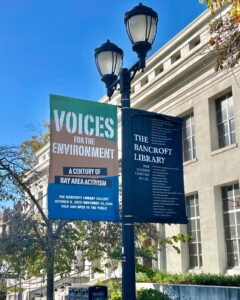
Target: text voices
x=88 y=124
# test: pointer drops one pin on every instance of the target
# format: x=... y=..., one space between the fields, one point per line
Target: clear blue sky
x=47 y=46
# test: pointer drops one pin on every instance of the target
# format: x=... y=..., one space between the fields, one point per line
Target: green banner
x=83 y=174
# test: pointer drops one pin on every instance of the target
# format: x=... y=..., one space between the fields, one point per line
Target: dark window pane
x=231 y=246
x=194 y=153
x=224 y=192
x=192 y=249
x=227 y=232
x=226 y=219
x=200 y=261
x=188 y=211
x=193 y=128
x=226 y=205
x=188 y=132
x=233 y=232
x=191 y=200
x=193 y=224
x=221 y=116
x=187 y=145
x=233 y=137
x=229 y=219
x=225 y=121
x=223 y=129
x=234 y=258
x=196 y=199
x=197 y=224
x=199 y=236
x=197 y=211
x=189 y=228
x=231 y=260
x=232 y=125
x=238 y=230
x=224 y=114
x=199 y=248
x=229 y=191
x=188 y=136
x=193 y=261
x=188 y=121
x=232 y=219
x=191 y=212
x=223 y=141
x=186 y=156
x=238 y=217
x=236 y=189
x=230 y=108
x=193 y=229
x=194 y=235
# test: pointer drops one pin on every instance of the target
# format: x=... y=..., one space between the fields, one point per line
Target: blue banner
x=156 y=167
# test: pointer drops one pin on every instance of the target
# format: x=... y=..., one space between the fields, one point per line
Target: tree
x=225 y=33
x=34 y=243
x=102 y=241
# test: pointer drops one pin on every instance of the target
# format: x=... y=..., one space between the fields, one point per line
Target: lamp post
x=141 y=25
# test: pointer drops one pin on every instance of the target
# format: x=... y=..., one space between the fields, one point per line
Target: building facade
x=180 y=80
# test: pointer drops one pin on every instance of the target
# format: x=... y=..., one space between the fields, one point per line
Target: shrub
x=150 y=294
x=187 y=278
x=114 y=290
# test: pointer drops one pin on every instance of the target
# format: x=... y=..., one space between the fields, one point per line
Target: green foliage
x=225 y=34
x=145 y=273
x=100 y=240
x=151 y=294
x=13 y=289
x=37 y=141
x=188 y=278
x=37 y=246
x=24 y=249
x=114 y=290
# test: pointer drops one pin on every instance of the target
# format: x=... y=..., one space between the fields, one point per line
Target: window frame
x=227 y=124
x=194 y=219
x=191 y=150
x=231 y=224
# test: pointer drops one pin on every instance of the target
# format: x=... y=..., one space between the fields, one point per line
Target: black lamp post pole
x=128 y=247
x=142 y=38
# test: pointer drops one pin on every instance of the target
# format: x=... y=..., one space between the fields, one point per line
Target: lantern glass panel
x=152 y=31
x=109 y=62
x=142 y=28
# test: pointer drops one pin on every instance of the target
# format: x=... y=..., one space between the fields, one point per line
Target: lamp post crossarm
x=124 y=80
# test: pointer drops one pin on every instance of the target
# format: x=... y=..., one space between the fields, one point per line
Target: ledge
x=189 y=162
x=224 y=149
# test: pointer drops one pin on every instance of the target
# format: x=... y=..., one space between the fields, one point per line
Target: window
x=144 y=81
x=189 y=147
x=194 y=42
x=193 y=228
x=159 y=70
x=231 y=219
x=176 y=56
x=225 y=121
